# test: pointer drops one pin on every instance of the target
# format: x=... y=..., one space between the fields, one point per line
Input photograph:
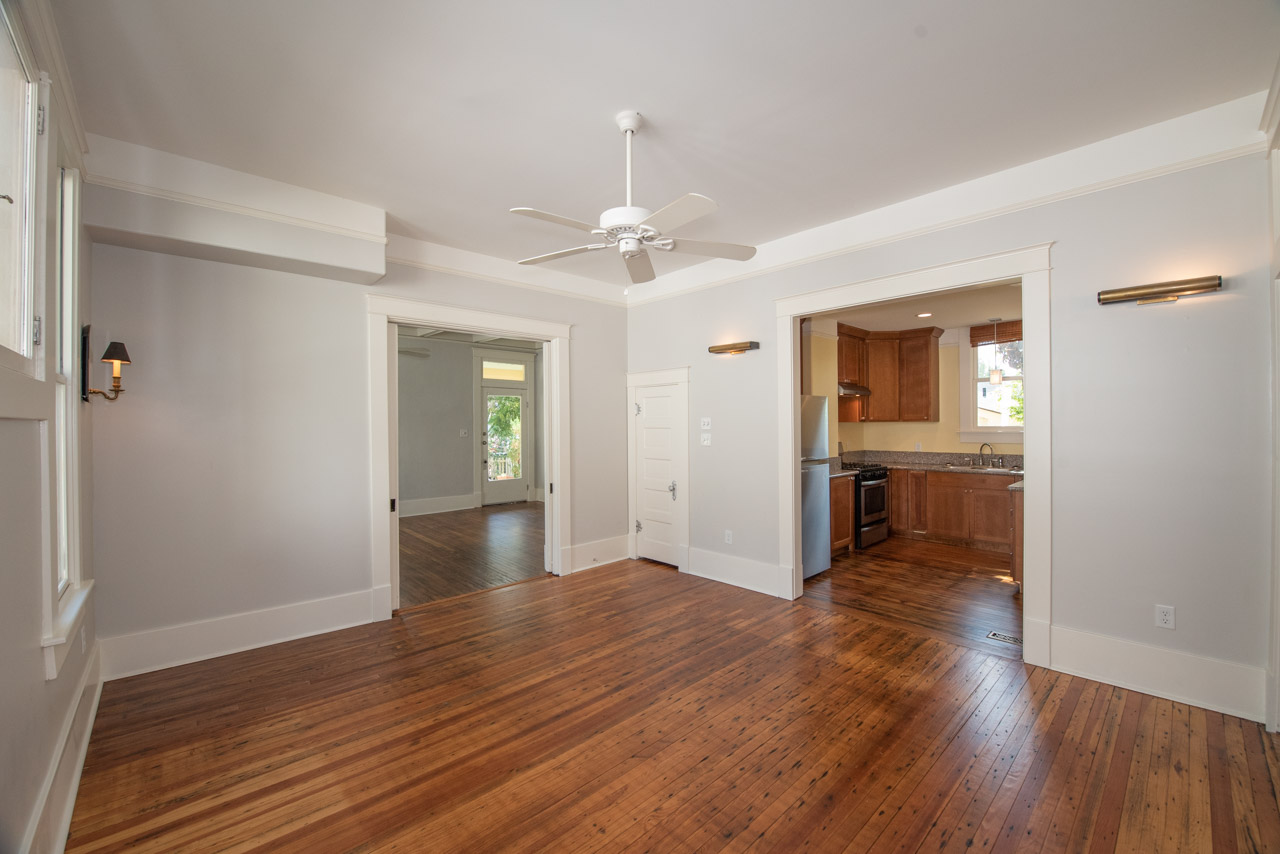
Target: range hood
x=851 y=390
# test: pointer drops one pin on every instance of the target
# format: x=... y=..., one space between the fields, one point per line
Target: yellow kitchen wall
x=826 y=381
x=942 y=436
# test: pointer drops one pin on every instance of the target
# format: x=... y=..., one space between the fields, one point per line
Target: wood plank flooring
x=632 y=708
x=952 y=592
x=449 y=554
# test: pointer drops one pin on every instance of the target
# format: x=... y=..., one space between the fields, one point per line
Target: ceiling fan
x=634 y=230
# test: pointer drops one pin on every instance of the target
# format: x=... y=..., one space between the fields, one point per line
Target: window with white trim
x=18 y=105
x=992 y=387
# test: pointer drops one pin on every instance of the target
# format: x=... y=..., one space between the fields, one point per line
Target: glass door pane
x=503 y=436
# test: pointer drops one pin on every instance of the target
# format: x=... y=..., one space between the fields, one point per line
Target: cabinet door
x=852 y=409
x=918 y=501
x=899 y=502
x=918 y=378
x=948 y=511
x=841 y=513
x=882 y=379
x=990 y=520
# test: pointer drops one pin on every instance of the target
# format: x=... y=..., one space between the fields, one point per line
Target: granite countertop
x=960 y=469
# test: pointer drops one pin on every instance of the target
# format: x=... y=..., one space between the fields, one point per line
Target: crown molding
x=1219 y=133
x=229 y=207
x=1271 y=111
x=408 y=252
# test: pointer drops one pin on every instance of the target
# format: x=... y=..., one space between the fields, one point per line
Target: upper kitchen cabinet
x=918 y=374
x=900 y=369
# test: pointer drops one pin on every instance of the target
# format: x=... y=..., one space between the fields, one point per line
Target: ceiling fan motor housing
x=616 y=221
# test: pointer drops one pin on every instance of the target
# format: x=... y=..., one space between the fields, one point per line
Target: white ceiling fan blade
x=563 y=253
x=556 y=218
x=639 y=267
x=715 y=250
x=683 y=210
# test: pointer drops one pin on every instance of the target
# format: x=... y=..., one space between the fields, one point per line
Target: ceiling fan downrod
x=629 y=121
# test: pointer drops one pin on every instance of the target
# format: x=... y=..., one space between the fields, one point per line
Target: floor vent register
x=1006 y=638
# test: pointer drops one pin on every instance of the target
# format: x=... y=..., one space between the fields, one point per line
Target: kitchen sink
x=985 y=469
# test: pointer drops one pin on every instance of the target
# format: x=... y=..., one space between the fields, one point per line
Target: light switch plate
x=706 y=422
x=706 y=438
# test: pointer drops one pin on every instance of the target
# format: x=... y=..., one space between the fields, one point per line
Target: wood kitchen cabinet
x=882 y=379
x=851 y=349
x=908 y=503
x=918 y=374
x=970 y=509
x=1015 y=559
x=841 y=513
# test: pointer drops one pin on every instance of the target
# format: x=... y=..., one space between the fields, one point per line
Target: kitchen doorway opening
x=1028 y=266
x=923 y=466
x=471 y=489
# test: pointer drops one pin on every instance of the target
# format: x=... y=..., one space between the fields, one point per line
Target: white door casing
x=658 y=466
x=383 y=311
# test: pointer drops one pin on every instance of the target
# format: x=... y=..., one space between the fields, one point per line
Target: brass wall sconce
x=1161 y=291
x=734 y=348
x=115 y=354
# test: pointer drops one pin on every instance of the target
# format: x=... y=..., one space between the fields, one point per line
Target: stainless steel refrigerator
x=815 y=489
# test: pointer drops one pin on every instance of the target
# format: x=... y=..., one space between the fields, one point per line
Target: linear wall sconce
x=734 y=348
x=115 y=354
x=1161 y=291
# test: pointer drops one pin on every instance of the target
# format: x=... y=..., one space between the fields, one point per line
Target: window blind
x=995 y=333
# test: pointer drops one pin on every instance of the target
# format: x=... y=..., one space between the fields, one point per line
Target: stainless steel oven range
x=870 y=506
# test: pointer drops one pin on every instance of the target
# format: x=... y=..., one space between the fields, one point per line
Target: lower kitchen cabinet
x=908 y=503
x=970 y=509
x=841 y=513
x=1016 y=557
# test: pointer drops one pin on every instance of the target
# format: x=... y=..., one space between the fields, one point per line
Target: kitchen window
x=992 y=387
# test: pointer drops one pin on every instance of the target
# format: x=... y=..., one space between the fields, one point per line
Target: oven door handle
x=874 y=482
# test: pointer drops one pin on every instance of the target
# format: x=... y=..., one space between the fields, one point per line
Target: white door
x=506 y=445
x=661 y=467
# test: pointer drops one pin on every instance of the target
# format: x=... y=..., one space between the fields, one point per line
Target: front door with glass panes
x=504 y=428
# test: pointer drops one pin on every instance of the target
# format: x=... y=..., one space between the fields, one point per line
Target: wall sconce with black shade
x=1161 y=291
x=734 y=348
x=115 y=354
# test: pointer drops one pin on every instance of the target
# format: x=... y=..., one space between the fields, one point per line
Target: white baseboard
x=425 y=506
x=156 y=649
x=49 y=824
x=380 y=607
x=743 y=572
x=597 y=553
x=1223 y=686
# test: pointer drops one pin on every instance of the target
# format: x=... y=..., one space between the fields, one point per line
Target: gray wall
x=235 y=476
x=1134 y=389
x=435 y=403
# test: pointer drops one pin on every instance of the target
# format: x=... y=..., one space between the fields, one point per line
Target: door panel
x=506 y=440
x=660 y=465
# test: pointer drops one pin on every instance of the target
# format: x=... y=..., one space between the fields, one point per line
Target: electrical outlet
x=706 y=438
x=917 y=446
x=706 y=422
x=462 y=434
x=728 y=535
x=1164 y=616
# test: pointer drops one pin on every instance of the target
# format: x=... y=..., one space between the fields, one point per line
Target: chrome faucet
x=990 y=450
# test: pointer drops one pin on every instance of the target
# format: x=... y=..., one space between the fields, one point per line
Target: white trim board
x=443 y=504
x=50 y=821
x=598 y=553
x=740 y=572
x=156 y=649
x=1223 y=686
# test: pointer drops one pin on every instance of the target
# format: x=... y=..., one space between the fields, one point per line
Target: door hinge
x=40 y=120
x=551 y=489
x=637 y=409
x=639 y=527
x=35 y=337
x=393 y=505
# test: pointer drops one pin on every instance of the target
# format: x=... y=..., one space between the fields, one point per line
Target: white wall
x=1134 y=390
x=233 y=476
x=435 y=403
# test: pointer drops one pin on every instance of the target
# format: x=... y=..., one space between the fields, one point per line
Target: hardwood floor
x=632 y=708
x=952 y=592
x=449 y=554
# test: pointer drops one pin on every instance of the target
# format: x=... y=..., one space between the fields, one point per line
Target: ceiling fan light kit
x=634 y=230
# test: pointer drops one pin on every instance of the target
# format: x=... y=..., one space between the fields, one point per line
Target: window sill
x=1003 y=435
x=71 y=610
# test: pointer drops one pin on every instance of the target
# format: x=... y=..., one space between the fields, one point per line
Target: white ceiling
x=790 y=115
x=949 y=309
